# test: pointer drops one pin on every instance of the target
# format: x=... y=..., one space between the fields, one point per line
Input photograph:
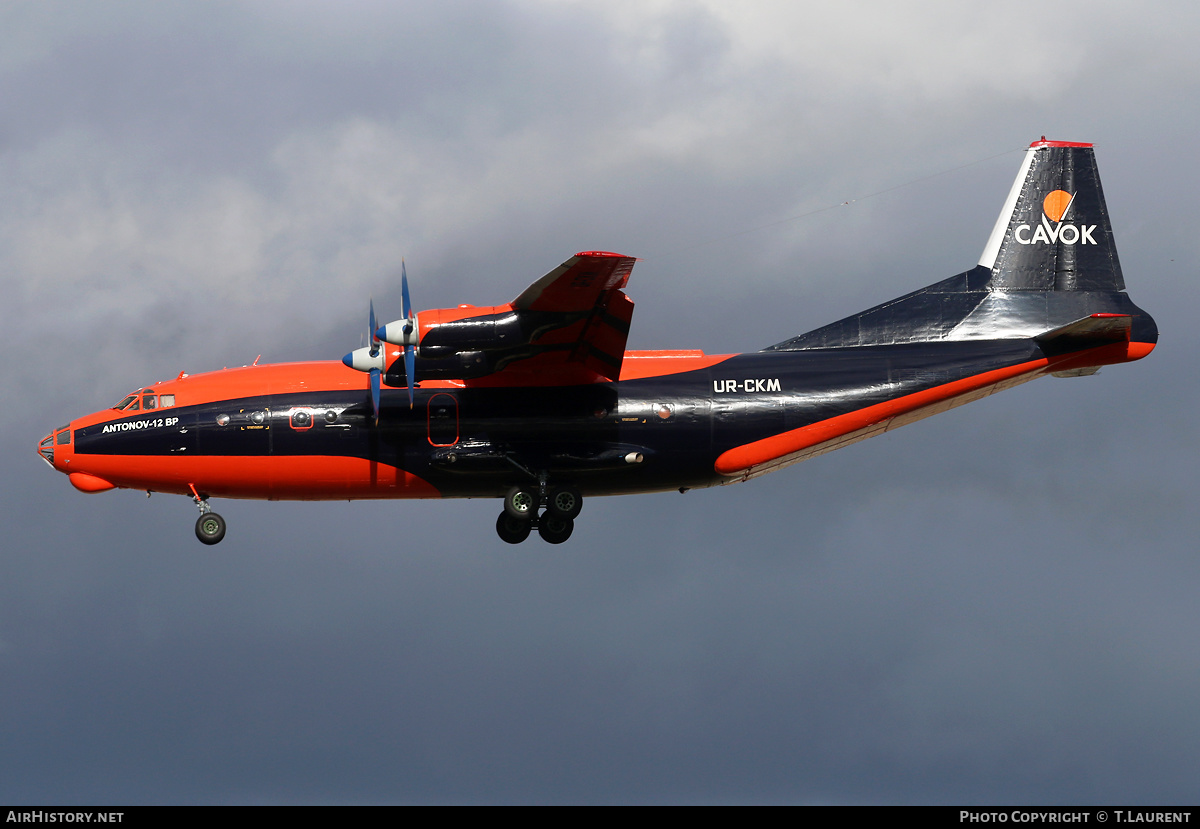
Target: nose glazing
x=46 y=448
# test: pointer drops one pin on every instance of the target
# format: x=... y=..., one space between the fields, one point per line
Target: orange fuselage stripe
x=639 y=365
x=743 y=458
x=284 y=477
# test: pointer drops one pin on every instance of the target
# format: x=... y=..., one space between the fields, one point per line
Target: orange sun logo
x=1055 y=204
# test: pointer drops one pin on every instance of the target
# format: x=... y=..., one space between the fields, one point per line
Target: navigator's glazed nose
x=46 y=448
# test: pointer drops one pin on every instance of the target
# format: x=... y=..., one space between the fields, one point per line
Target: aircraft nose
x=46 y=448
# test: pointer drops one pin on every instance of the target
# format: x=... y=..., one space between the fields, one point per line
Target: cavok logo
x=1054 y=208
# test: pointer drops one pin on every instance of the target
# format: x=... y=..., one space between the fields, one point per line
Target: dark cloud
x=991 y=606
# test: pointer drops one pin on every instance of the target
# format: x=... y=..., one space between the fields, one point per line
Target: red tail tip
x=1042 y=142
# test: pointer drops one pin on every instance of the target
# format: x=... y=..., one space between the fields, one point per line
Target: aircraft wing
x=577 y=321
x=577 y=284
x=567 y=328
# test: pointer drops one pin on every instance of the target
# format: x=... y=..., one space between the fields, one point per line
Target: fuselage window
x=166 y=400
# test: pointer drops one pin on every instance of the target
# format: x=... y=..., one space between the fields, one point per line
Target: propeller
x=404 y=332
x=370 y=359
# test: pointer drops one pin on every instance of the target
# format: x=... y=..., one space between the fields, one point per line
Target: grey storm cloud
x=996 y=605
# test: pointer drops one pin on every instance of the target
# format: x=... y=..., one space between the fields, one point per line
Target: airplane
x=538 y=402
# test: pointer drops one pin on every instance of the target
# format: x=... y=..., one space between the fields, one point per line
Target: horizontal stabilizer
x=1088 y=332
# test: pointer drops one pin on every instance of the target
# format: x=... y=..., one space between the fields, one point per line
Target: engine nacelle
x=463 y=343
x=361 y=359
x=401 y=332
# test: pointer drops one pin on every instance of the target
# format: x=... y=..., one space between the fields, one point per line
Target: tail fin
x=1049 y=262
x=1053 y=233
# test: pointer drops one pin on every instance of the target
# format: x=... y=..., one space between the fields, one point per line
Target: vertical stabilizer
x=1053 y=233
x=1049 y=263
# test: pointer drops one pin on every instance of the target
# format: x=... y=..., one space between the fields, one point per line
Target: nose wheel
x=210 y=528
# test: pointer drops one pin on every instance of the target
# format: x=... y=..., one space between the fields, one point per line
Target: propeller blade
x=410 y=353
x=375 y=391
x=404 y=331
x=407 y=306
x=371 y=326
x=410 y=370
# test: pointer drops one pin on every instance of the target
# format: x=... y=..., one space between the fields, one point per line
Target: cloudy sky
x=995 y=605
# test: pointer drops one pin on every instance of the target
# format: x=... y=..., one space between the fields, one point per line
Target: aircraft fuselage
x=653 y=433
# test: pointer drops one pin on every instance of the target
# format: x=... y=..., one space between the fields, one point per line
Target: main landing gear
x=210 y=527
x=554 y=525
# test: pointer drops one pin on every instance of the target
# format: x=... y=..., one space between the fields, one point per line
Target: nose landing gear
x=210 y=527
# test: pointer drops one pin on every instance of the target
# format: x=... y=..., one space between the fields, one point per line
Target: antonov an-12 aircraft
x=538 y=403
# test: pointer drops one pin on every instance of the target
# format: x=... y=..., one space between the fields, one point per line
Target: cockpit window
x=145 y=399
